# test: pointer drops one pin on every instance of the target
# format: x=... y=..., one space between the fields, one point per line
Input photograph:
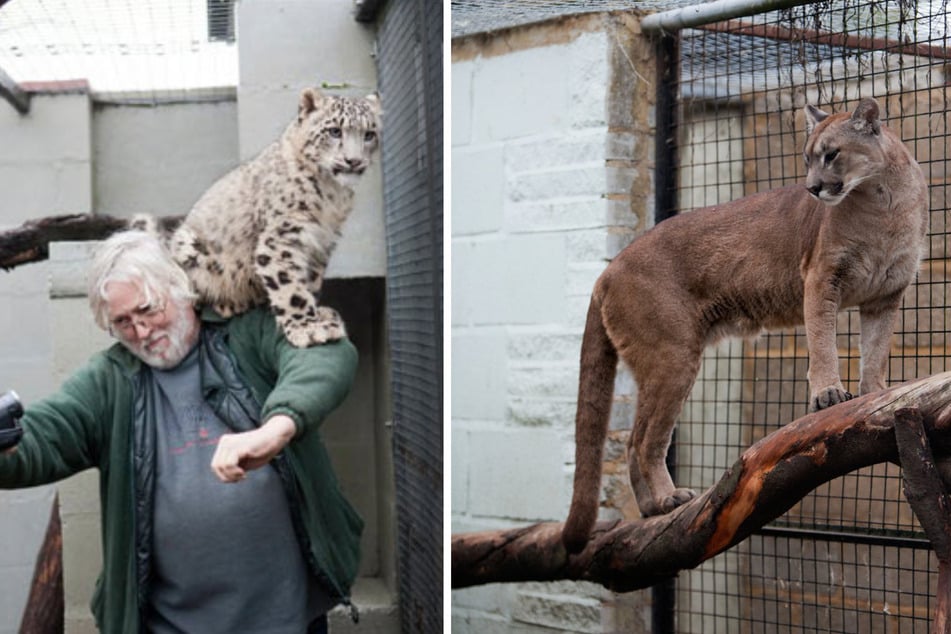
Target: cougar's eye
x=335 y=133
x=830 y=156
x=369 y=136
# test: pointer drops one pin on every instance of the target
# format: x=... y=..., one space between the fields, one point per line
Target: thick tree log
x=928 y=498
x=44 y=613
x=767 y=480
x=30 y=241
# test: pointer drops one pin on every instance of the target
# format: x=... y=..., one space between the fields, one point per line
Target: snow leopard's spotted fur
x=264 y=232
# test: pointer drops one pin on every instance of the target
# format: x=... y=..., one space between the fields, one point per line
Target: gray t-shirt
x=225 y=556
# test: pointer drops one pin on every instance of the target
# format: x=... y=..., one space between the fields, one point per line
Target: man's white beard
x=180 y=343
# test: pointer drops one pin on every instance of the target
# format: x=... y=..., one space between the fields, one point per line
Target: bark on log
x=44 y=613
x=767 y=480
x=30 y=241
x=928 y=498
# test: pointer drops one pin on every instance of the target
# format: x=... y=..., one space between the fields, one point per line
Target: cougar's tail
x=595 y=393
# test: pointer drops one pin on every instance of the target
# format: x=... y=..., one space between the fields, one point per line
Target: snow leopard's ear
x=374 y=100
x=309 y=99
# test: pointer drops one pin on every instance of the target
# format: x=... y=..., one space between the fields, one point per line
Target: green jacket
x=97 y=420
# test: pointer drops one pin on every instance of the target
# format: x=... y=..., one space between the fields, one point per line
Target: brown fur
x=771 y=260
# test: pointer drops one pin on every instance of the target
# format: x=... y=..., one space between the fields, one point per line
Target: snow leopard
x=264 y=232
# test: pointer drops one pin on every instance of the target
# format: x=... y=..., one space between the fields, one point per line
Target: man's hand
x=237 y=454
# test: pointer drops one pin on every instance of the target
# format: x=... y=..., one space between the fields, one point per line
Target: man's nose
x=142 y=329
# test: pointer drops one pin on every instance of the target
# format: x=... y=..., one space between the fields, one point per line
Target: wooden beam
x=45 y=606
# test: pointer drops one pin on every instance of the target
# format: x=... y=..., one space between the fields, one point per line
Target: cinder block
x=518 y=281
x=549 y=380
x=462 y=103
x=14 y=590
x=517 y=474
x=552 y=412
x=618 y=239
x=479 y=374
x=560 y=612
x=478 y=181
x=57 y=128
x=26 y=313
x=586 y=179
x=541 y=89
x=585 y=246
x=24 y=515
x=621 y=145
x=589 y=79
x=459 y=489
x=536 y=345
x=34 y=190
x=559 y=150
x=493 y=598
x=521 y=94
x=582 y=212
x=379 y=611
x=620 y=178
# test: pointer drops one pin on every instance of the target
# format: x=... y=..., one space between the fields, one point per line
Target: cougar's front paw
x=667 y=503
x=829 y=397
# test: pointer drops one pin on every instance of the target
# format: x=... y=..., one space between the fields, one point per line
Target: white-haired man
x=181 y=417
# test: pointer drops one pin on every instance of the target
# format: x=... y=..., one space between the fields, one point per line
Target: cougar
x=852 y=236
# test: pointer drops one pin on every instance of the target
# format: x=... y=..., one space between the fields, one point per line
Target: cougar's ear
x=309 y=98
x=813 y=117
x=865 y=117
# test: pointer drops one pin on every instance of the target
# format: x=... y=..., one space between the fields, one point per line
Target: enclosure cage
x=850 y=557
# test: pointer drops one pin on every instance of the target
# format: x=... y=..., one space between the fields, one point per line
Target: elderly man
x=220 y=509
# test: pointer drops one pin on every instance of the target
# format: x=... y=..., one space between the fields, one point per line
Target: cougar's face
x=841 y=153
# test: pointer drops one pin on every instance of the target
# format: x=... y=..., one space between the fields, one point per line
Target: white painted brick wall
x=537 y=181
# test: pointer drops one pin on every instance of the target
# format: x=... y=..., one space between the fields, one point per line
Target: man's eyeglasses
x=145 y=316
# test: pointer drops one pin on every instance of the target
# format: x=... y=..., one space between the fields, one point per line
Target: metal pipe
x=686 y=17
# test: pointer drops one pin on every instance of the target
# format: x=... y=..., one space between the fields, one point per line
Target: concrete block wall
x=45 y=169
x=551 y=148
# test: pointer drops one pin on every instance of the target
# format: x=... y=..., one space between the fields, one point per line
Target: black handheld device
x=10 y=412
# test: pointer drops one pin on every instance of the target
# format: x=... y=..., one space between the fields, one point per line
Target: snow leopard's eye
x=369 y=136
x=335 y=133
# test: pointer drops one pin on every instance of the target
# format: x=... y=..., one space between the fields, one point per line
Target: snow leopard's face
x=339 y=134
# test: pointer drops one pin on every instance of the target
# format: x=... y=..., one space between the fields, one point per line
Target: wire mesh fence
x=850 y=557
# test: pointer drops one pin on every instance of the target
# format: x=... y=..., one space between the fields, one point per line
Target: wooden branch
x=928 y=498
x=30 y=241
x=767 y=480
x=45 y=607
